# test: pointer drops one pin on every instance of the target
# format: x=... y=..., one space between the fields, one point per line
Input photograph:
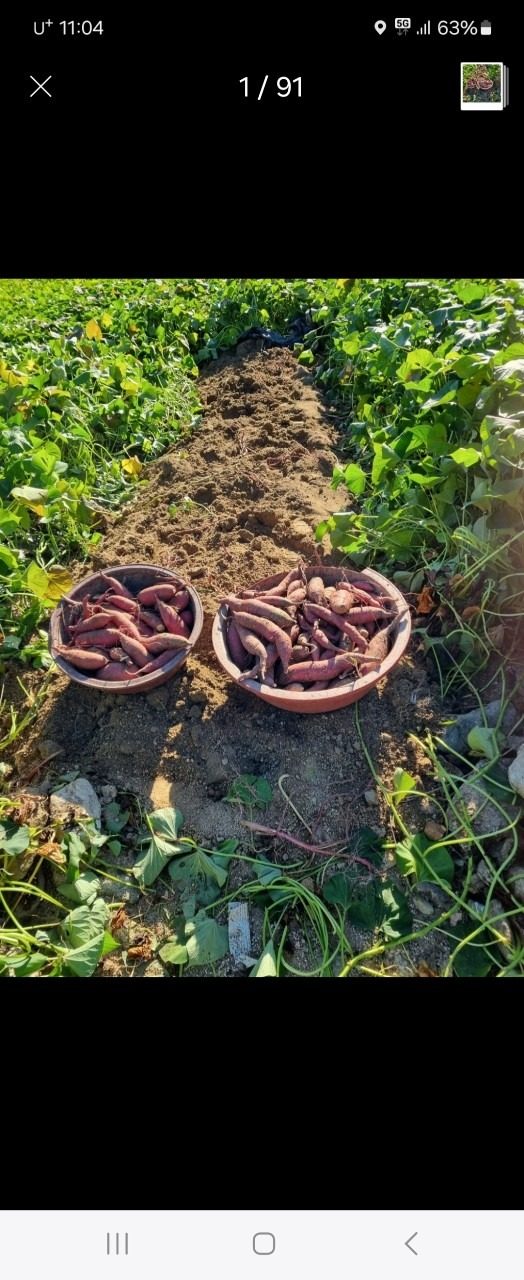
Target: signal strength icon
x=425 y=30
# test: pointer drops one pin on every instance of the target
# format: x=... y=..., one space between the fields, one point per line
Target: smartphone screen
x=261 y=503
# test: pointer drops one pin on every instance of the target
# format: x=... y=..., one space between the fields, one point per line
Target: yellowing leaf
x=93 y=330
x=12 y=379
x=37 y=580
x=132 y=466
x=106 y=320
x=30 y=497
x=59 y=583
x=131 y=386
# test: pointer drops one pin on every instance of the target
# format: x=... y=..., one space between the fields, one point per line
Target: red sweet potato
x=235 y=647
x=135 y=650
x=180 y=599
x=158 y=591
x=269 y=631
x=115 y=585
x=106 y=638
x=295 y=688
x=375 y=653
x=160 y=661
x=160 y=643
x=341 y=601
x=323 y=669
x=253 y=644
x=81 y=660
x=172 y=620
x=366 y=613
x=151 y=619
x=114 y=619
x=118 y=671
x=187 y=617
x=123 y=603
x=315 y=590
x=261 y=608
x=313 y=611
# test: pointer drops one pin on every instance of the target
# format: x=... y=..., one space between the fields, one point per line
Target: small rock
x=107 y=793
x=516 y=772
x=455 y=735
x=379 y=831
x=484 y=817
x=456 y=917
x=48 y=747
x=179 y=704
x=156 y=699
x=371 y=796
x=514 y=878
x=154 y=970
x=126 y=747
x=429 y=899
x=434 y=830
x=309 y=883
x=79 y=796
x=514 y=742
x=195 y=712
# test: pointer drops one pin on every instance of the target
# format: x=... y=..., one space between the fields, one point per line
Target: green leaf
x=446 y=394
x=23 y=965
x=469 y=292
x=115 y=818
x=366 y=908
x=8 y=558
x=466 y=457
x=86 y=923
x=513 y=352
x=109 y=944
x=173 y=953
x=266 y=966
x=351 y=344
x=355 y=479
x=82 y=961
x=306 y=357
x=473 y=960
x=164 y=825
x=30 y=497
x=250 y=790
x=483 y=742
x=84 y=889
x=403 y=783
x=397 y=920
x=195 y=865
x=14 y=840
x=420 y=358
x=207 y=941
x=415 y=856
x=338 y=890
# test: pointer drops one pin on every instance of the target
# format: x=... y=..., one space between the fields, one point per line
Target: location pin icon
x=380 y=26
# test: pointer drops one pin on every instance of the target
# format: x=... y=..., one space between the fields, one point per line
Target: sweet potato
x=123 y=603
x=135 y=650
x=145 y=632
x=253 y=644
x=261 y=608
x=158 y=591
x=118 y=671
x=318 y=685
x=115 y=585
x=315 y=590
x=295 y=688
x=106 y=638
x=269 y=631
x=313 y=611
x=341 y=601
x=81 y=660
x=187 y=617
x=114 y=619
x=366 y=613
x=323 y=669
x=358 y=594
x=172 y=620
x=297 y=595
x=235 y=647
x=151 y=619
x=181 y=599
x=160 y=643
x=375 y=653
x=160 y=661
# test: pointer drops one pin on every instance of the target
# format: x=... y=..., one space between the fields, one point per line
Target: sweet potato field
x=228 y=432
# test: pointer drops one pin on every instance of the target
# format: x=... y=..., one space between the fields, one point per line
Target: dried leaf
x=53 y=851
x=119 y=920
x=426 y=601
x=470 y=611
x=142 y=952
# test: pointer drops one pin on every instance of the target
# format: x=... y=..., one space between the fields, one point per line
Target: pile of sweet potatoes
x=116 y=635
x=302 y=633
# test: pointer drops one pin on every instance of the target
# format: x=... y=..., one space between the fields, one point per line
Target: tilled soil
x=259 y=468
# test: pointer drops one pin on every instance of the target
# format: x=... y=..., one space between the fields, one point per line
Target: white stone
x=79 y=796
x=516 y=772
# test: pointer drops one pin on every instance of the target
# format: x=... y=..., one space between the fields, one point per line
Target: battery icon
x=485 y=28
